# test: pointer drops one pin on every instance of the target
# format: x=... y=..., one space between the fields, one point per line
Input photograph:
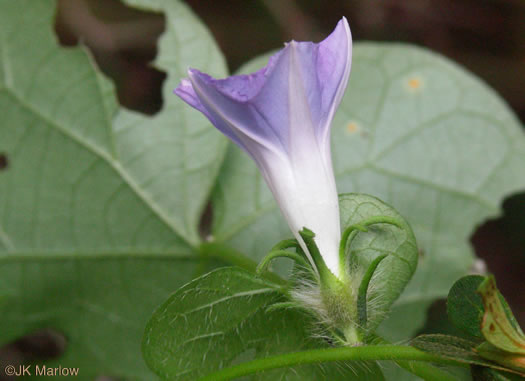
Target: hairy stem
x=362 y=353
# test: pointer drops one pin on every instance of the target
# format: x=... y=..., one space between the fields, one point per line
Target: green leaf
x=421 y=134
x=476 y=306
x=398 y=244
x=68 y=151
x=458 y=349
x=175 y=155
x=93 y=189
x=465 y=306
x=100 y=306
x=222 y=318
x=497 y=327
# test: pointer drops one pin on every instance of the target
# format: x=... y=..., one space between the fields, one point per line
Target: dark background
x=485 y=36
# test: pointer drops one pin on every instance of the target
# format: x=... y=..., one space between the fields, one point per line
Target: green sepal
x=351 y=231
x=263 y=265
x=327 y=278
x=287 y=244
x=363 y=291
x=279 y=251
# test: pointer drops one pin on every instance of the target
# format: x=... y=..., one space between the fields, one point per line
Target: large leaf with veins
x=99 y=206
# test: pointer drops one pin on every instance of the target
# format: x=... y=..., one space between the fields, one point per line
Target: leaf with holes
x=421 y=134
x=221 y=318
x=92 y=190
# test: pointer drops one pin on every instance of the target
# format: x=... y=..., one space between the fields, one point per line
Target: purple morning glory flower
x=281 y=116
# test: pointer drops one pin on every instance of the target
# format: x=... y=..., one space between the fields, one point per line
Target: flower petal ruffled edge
x=222 y=100
x=331 y=45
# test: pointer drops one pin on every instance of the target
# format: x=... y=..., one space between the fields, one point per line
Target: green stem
x=362 y=353
x=233 y=257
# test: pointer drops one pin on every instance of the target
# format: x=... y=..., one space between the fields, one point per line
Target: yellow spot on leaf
x=414 y=83
x=352 y=127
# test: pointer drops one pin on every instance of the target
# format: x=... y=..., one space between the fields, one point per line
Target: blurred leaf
x=500 y=356
x=396 y=269
x=421 y=134
x=92 y=191
x=480 y=373
x=465 y=306
x=221 y=318
x=393 y=372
